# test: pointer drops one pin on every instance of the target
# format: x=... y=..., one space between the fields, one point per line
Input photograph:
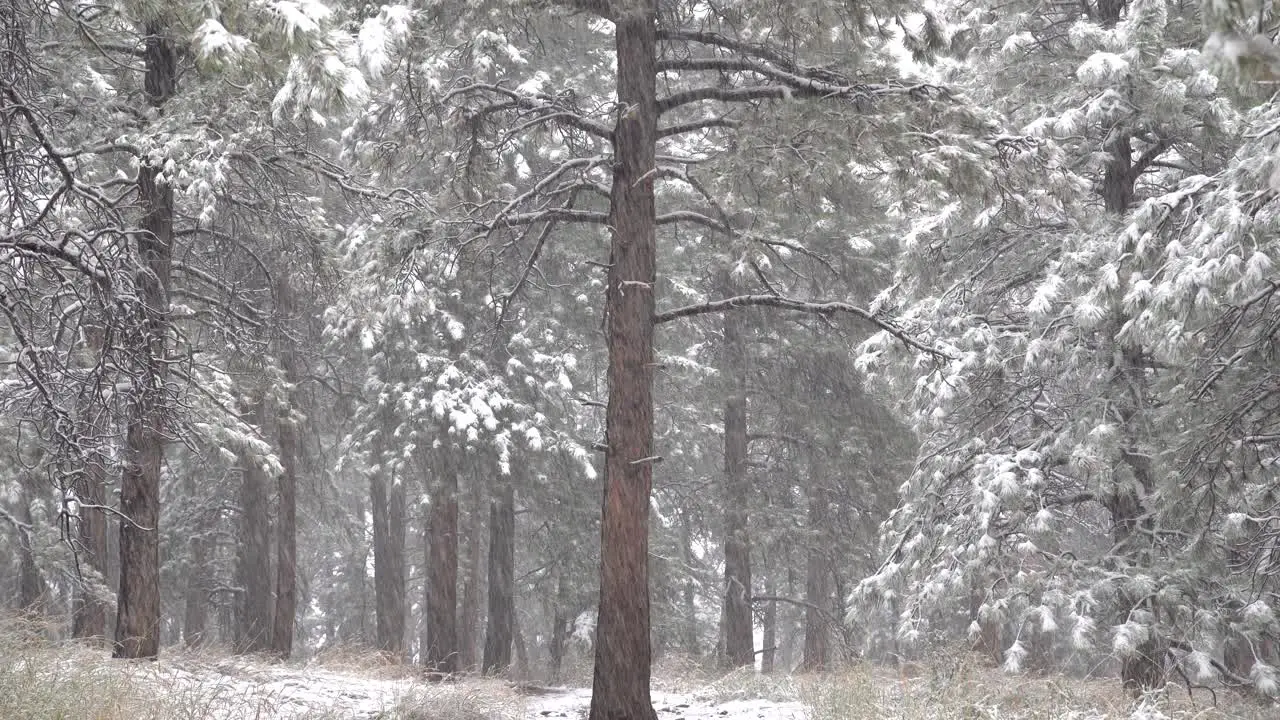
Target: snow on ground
x=232 y=689
x=573 y=703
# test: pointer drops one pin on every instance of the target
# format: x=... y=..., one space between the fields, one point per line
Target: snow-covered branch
x=790 y=86
x=696 y=125
x=517 y=101
x=784 y=303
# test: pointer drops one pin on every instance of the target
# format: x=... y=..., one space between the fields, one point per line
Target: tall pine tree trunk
x=770 y=648
x=620 y=686
x=502 y=591
x=138 y=604
x=286 y=484
x=286 y=539
x=817 y=588
x=89 y=613
x=442 y=571
x=469 y=608
x=195 y=601
x=253 y=562
x=688 y=589
x=32 y=590
x=739 y=649
x=388 y=561
x=561 y=625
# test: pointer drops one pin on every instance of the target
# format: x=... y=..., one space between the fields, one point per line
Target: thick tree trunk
x=442 y=573
x=388 y=561
x=469 y=608
x=620 y=688
x=739 y=649
x=287 y=489
x=253 y=562
x=138 y=604
x=817 y=588
x=502 y=591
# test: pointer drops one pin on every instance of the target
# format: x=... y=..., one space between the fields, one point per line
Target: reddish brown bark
x=739 y=648
x=138 y=603
x=287 y=489
x=469 y=608
x=817 y=586
x=442 y=574
x=253 y=558
x=89 y=613
x=388 y=562
x=502 y=592
x=620 y=688
x=286 y=540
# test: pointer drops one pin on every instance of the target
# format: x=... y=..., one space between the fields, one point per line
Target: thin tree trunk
x=90 y=610
x=522 y=649
x=560 y=625
x=739 y=649
x=689 y=590
x=253 y=565
x=442 y=572
x=620 y=686
x=768 y=656
x=32 y=590
x=502 y=592
x=286 y=539
x=138 y=604
x=195 y=611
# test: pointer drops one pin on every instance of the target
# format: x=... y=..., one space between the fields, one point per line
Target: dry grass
x=45 y=680
x=466 y=700
x=968 y=691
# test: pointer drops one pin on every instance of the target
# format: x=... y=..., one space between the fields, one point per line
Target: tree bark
x=739 y=649
x=689 y=589
x=286 y=539
x=195 y=610
x=32 y=590
x=388 y=561
x=502 y=592
x=770 y=649
x=620 y=687
x=287 y=488
x=561 y=625
x=817 y=589
x=89 y=613
x=138 y=604
x=253 y=562
x=442 y=572
x=469 y=609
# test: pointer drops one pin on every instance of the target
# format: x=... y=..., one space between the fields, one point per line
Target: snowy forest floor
x=39 y=680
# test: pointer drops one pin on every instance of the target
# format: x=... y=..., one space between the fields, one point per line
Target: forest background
x=880 y=328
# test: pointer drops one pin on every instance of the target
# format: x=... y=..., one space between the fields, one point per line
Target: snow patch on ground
x=236 y=689
x=233 y=689
x=573 y=704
